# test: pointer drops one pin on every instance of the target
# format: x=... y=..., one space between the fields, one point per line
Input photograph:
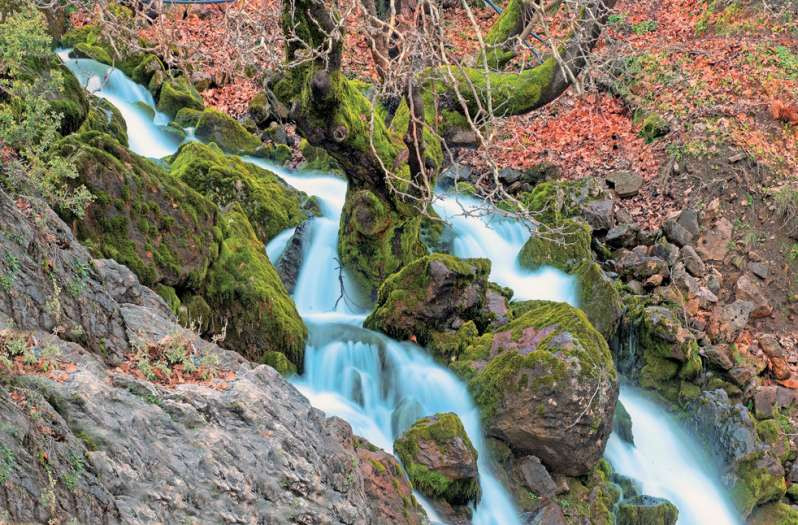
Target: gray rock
x=718 y=356
x=124 y=287
x=536 y=477
x=765 y=401
x=692 y=261
x=667 y=251
x=454 y=173
x=676 y=233
x=622 y=423
x=759 y=269
x=639 y=266
x=290 y=261
x=626 y=183
x=599 y=214
x=549 y=514
x=622 y=235
x=688 y=219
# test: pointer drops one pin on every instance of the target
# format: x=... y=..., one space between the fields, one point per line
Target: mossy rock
x=759 y=480
x=771 y=433
x=247 y=296
x=177 y=94
x=226 y=132
x=269 y=203
x=646 y=510
x=104 y=117
x=439 y=459
x=375 y=240
x=279 y=362
x=774 y=514
x=194 y=313
x=169 y=295
x=187 y=118
x=652 y=125
x=591 y=498
x=622 y=424
x=599 y=298
x=429 y=295
x=318 y=159
x=546 y=384
x=563 y=245
x=552 y=201
x=142 y=216
x=260 y=110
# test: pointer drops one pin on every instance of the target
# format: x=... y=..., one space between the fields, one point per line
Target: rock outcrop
x=137 y=420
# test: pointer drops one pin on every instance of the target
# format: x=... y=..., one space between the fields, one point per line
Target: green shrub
x=32 y=107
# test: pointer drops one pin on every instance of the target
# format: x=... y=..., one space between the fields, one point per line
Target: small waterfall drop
x=669 y=463
x=381 y=386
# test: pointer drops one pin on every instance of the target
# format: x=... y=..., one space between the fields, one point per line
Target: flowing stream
x=381 y=386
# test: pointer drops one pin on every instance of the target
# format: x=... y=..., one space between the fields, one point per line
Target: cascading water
x=381 y=386
x=147 y=132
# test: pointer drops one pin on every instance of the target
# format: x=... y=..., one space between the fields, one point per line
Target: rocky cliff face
x=110 y=412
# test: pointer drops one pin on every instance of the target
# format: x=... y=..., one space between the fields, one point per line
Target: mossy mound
x=104 y=117
x=646 y=510
x=591 y=498
x=318 y=159
x=142 y=216
x=774 y=514
x=269 y=203
x=439 y=459
x=375 y=240
x=545 y=384
x=563 y=245
x=430 y=295
x=658 y=351
x=225 y=131
x=177 y=94
x=279 y=362
x=246 y=295
x=759 y=480
x=553 y=201
x=599 y=298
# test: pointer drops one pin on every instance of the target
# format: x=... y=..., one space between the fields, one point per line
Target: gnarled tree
x=391 y=141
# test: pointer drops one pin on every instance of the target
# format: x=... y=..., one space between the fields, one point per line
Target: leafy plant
x=646 y=26
x=29 y=125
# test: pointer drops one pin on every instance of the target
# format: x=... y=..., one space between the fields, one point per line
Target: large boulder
x=546 y=385
x=440 y=459
x=142 y=216
x=247 y=298
x=774 y=514
x=270 y=204
x=176 y=94
x=436 y=293
x=646 y=510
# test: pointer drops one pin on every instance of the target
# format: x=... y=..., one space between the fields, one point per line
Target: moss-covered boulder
x=142 y=216
x=646 y=510
x=386 y=485
x=440 y=459
x=226 y=132
x=375 y=240
x=553 y=201
x=657 y=349
x=599 y=298
x=177 y=94
x=563 y=245
x=622 y=423
x=774 y=514
x=104 y=117
x=591 y=498
x=269 y=203
x=546 y=385
x=435 y=294
x=247 y=298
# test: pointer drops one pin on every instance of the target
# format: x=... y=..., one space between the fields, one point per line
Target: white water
x=381 y=386
x=668 y=463
x=147 y=133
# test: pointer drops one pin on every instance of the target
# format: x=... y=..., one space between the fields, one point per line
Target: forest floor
x=720 y=76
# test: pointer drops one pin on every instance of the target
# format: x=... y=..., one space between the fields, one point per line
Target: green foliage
x=226 y=132
x=646 y=26
x=7 y=462
x=32 y=106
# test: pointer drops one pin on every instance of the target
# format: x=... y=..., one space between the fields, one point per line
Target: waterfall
x=381 y=386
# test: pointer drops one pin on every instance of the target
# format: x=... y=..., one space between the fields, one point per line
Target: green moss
x=599 y=297
x=449 y=345
x=270 y=205
x=652 y=126
x=568 y=338
x=246 y=294
x=774 y=514
x=646 y=510
x=177 y=94
x=104 y=117
x=441 y=430
x=226 y=132
x=67 y=98
x=169 y=295
x=756 y=484
x=499 y=46
x=772 y=433
x=403 y=293
x=143 y=217
x=194 y=313
x=280 y=362
x=376 y=240
x=591 y=499
x=564 y=245
x=318 y=159
x=187 y=117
